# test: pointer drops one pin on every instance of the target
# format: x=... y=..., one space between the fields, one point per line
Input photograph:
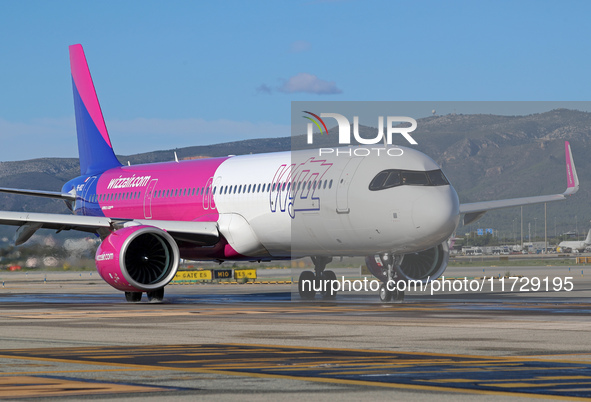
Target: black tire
x=156 y=295
x=308 y=293
x=329 y=293
x=133 y=297
x=399 y=295
x=385 y=294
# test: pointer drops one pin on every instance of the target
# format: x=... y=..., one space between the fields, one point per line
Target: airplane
x=398 y=212
x=580 y=246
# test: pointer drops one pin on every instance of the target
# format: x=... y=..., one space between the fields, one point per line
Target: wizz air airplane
x=398 y=212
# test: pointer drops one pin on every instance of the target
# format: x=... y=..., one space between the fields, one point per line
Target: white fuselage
x=323 y=205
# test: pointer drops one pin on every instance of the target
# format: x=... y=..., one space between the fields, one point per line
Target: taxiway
x=68 y=335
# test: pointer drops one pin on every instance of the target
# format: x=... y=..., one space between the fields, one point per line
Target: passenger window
x=330 y=184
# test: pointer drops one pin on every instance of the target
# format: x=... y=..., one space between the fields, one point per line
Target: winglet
x=571 y=172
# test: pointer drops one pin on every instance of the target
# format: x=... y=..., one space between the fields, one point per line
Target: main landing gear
x=155 y=296
x=389 y=290
x=318 y=281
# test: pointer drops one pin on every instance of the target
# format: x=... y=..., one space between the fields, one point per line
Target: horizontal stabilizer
x=39 y=193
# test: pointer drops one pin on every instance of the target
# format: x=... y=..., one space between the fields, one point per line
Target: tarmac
x=68 y=335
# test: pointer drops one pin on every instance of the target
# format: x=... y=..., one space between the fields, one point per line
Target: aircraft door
x=148 y=198
x=343 y=185
x=216 y=187
x=207 y=195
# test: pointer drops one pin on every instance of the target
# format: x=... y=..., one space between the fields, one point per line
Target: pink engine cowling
x=138 y=259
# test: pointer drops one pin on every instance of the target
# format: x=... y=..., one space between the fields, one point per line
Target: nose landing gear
x=319 y=281
x=389 y=290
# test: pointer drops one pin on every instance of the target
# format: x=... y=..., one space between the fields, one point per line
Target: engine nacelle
x=138 y=259
x=427 y=264
x=422 y=266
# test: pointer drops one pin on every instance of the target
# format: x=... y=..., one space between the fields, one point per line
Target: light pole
x=521 y=228
x=545 y=230
x=529 y=232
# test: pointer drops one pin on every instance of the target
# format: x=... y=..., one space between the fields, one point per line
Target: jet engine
x=426 y=264
x=422 y=266
x=138 y=259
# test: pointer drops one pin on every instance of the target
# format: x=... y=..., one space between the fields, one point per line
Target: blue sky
x=186 y=73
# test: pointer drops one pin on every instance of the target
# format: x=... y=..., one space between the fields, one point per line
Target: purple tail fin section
x=94 y=145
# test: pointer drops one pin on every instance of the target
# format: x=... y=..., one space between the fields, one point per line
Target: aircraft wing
x=475 y=210
x=199 y=233
x=39 y=193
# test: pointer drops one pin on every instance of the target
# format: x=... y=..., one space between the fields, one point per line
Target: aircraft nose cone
x=436 y=213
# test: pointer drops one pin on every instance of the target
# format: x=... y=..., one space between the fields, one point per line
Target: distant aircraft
x=580 y=246
x=398 y=212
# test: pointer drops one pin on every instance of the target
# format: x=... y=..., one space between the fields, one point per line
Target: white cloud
x=299 y=46
x=143 y=135
x=309 y=83
x=264 y=89
x=47 y=137
x=57 y=137
x=44 y=127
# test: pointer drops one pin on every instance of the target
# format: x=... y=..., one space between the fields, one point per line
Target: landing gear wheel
x=399 y=295
x=133 y=297
x=385 y=294
x=307 y=292
x=156 y=295
x=328 y=293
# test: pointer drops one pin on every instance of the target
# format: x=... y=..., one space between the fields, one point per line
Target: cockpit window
x=415 y=178
x=437 y=178
x=394 y=177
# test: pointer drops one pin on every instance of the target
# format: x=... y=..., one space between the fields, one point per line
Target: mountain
x=484 y=156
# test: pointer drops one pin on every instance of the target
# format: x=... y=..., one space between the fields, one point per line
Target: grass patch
x=477 y=262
